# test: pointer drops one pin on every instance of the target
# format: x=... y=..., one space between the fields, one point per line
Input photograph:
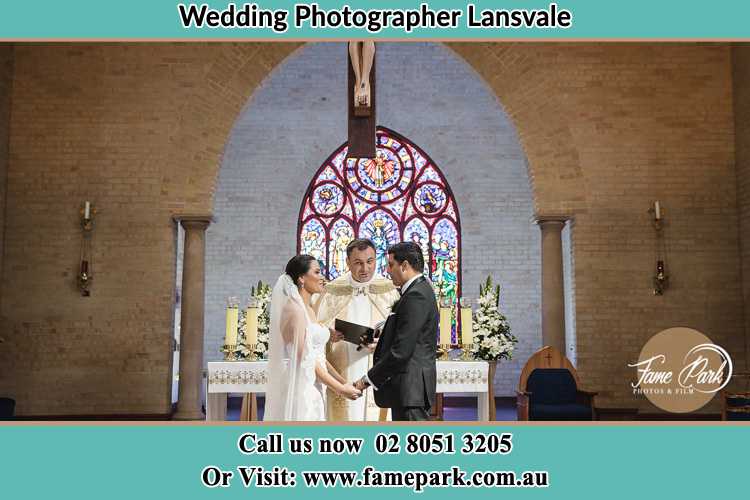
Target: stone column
x=553 y=294
x=191 y=320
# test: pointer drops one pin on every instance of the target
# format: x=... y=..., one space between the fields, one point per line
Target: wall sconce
x=661 y=278
x=85 y=268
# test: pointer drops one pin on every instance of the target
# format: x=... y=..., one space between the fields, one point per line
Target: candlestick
x=467 y=333
x=251 y=326
x=232 y=323
x=446 y=324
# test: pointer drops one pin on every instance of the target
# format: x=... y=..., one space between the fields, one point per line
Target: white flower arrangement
x=263 y=296
x=492 y=338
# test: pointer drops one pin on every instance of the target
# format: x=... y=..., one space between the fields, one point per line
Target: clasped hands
x=354 y=390
x=360 y=384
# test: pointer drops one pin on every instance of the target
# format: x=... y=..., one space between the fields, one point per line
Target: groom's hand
x=360 y=384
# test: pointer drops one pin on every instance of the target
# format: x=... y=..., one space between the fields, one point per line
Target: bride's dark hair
x=298 y=266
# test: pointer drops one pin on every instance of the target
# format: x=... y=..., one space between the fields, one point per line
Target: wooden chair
x=548 y=389
x=7 y=408
x=736 y=400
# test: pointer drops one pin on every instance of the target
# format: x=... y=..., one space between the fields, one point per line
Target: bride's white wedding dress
x=296 y=344
x=314 y=392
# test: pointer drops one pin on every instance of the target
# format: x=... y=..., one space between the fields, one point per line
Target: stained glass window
x=401 y=195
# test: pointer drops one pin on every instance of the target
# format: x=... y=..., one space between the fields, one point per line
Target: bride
x=297 y=366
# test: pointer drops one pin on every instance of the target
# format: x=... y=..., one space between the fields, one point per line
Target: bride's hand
x=350 y=392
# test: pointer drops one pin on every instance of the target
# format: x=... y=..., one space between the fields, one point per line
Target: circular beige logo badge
x=680 y=369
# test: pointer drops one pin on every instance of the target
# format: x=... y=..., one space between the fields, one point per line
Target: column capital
x=194 y=221
x=552 y=220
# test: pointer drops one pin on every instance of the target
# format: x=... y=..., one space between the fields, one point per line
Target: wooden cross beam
x=361 y=125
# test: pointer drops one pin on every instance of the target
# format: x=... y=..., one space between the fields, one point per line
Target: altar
x=251 y=377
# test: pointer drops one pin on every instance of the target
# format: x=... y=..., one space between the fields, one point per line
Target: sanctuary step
x=454 y=408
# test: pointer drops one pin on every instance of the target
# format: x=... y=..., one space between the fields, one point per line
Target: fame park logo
x=680 y=370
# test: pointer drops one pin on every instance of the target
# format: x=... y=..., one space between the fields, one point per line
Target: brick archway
x=522 y=76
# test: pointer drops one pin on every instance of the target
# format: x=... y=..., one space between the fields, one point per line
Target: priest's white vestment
x=365 y=304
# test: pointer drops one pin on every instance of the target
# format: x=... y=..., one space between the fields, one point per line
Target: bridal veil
x=291 y=365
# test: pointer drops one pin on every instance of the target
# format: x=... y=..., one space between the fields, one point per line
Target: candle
x=232 y=323
x=251 y=326
x=467 y=334
x=657 y=210
x=445 y=325
x=87 y=211
x=84 y=267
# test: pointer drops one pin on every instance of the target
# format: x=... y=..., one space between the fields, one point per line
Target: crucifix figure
x=362 y=55
x=361 y=99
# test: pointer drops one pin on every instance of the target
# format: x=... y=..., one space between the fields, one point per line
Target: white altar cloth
x=224 y=377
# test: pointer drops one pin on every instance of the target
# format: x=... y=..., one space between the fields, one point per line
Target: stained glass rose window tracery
x=401 y=195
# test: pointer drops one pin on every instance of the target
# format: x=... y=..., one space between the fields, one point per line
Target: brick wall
x=6 y=77
x=89 y=122
x=741 y=80
x=143 y=129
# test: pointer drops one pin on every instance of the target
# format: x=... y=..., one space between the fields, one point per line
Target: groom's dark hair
x=359 y=244
x=410 y=252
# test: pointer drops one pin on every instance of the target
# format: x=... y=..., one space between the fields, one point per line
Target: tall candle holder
x=466 y=344
x=442 y=352
x=230 y=352
x=445 y=341
x=467 y=352
x=252 y=356
x=231 y=344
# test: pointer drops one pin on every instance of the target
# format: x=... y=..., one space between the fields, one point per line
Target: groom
x=403 y=372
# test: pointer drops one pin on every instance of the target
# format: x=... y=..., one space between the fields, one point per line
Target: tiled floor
x=453 y=409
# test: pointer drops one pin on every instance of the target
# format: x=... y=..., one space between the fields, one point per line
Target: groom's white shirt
x=409 y=283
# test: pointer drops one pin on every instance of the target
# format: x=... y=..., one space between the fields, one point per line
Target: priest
x=358 y=296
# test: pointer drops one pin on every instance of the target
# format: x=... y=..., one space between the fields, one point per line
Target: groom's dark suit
x=403 y=369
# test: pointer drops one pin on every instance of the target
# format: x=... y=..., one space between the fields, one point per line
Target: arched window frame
x=349 y=197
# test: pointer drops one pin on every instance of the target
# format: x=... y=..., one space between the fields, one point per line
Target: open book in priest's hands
x=359 y=335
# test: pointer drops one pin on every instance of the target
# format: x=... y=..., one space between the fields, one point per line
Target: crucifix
x=361 y=99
